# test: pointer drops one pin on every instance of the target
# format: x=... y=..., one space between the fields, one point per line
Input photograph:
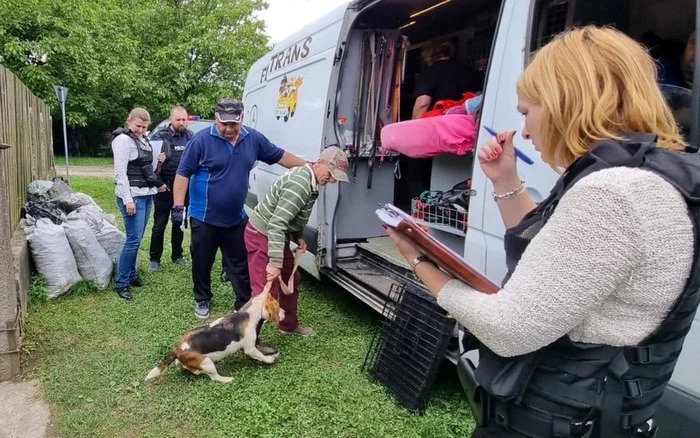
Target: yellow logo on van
x=288 y=97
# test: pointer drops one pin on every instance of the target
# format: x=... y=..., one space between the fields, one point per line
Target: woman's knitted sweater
x=605 y=269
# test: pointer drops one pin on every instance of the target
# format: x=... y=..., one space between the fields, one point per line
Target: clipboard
x=157 y=145
x=437 y=252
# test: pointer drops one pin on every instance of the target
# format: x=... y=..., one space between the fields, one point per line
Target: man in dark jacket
x=174 y=138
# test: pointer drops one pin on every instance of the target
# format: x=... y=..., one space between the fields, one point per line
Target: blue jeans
x=134 y=226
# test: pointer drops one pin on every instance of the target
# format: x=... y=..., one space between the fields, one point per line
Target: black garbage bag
x=45 y=210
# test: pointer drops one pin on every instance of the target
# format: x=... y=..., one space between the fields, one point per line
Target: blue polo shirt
x=219 y=170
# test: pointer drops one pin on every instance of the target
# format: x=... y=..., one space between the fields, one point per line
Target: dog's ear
x=272 y=306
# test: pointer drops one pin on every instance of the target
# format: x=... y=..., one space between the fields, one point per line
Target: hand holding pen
x=518 y=152
x=497 y=158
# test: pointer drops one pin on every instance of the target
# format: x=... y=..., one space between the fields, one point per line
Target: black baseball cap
x=229 y=110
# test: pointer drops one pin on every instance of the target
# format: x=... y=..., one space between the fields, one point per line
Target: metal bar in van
x=695 y=127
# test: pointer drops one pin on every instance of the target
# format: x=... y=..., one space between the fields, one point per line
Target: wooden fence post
x=26 y=154
x=10 y=312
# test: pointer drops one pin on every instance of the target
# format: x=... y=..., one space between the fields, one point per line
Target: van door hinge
x=339 y=53
x=4 y=146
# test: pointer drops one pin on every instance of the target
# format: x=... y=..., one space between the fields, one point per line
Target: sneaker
x=154 y=265
x=201 y=309
x=124 y=293
x=300 y=330
x=181 y=262
x=264 y=348
x=224 y=277
x=137 y=282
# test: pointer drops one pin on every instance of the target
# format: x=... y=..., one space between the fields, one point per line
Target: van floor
x=384 y=247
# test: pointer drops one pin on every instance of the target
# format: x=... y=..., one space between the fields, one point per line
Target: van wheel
x=292 y=112
x=277 y=117
x=286 y=116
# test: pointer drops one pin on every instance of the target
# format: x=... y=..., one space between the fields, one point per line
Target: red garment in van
x=423 y=138
x=441 y=106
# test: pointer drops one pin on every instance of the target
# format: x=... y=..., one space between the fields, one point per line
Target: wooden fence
x=26 y=145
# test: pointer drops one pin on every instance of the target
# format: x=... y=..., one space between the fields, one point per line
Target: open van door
x=326 y=205
x=353 y=249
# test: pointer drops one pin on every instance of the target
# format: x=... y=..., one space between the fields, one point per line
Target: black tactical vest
x=140 y=171
x=173 y=147
x=571 y=389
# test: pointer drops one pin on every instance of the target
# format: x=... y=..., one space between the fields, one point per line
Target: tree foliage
x=114 y=55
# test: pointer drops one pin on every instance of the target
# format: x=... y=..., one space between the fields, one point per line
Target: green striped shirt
x=285 y=210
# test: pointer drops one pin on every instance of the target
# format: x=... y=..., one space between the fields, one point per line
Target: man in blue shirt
x=216 y=165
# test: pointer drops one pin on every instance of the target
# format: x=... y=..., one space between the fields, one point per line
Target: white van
x=305 y=94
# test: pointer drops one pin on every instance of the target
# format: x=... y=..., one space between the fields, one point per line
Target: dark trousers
x=206 y=239
x=163 y=204
x=256 y=243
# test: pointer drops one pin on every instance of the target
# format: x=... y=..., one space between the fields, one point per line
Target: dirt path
x=100 y=171
x=22 y=413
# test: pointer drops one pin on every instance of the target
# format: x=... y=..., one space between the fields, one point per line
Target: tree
x=209 y=54
x=117 y=54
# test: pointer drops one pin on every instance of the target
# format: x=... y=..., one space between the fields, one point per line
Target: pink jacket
x=431 y=136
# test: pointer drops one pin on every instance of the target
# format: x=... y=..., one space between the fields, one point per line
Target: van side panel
x=285 y=99
x=499 y=112
x=287 y=103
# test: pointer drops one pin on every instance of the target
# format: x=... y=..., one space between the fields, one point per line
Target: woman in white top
x=136 y=183
x=594 y=271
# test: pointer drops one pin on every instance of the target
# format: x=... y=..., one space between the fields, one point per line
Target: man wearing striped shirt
x=281 y=216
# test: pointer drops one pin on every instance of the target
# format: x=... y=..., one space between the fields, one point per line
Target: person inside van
x=679 y=70
x=584 y=334
x=445 y=78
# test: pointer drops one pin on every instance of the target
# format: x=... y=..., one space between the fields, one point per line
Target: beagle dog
x=199 y=348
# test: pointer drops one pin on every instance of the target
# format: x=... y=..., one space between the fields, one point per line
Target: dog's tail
x=162 y=366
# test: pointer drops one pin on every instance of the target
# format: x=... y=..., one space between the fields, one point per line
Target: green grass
x=91 y=351
x=83 y=161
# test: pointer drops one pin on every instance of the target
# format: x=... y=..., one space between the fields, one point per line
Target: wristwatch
x=418 y=260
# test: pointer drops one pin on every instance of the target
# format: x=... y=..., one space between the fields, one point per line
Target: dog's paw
x=222 y=379
x=272 y=358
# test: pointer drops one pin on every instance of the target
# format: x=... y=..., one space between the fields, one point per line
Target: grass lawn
x=83 y=161
x=91 y=351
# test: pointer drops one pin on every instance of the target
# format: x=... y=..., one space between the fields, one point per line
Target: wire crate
x=409 y=346
x=439 y=213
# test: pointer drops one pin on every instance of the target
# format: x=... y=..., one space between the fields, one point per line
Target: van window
x=663 y=26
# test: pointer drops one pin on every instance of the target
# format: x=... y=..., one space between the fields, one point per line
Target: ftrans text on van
x=286 y=57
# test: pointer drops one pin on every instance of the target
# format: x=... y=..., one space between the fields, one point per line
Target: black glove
x=178 y=216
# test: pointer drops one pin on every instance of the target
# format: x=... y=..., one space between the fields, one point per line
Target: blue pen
x=518 y=152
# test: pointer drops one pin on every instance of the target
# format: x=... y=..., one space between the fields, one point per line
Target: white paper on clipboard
x=157 y=145
x=392 y=216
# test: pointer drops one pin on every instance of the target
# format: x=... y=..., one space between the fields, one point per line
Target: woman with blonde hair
x=584 y=335
x=135 y=184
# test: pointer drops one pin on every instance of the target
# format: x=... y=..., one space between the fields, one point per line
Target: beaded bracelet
x=511 y=194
